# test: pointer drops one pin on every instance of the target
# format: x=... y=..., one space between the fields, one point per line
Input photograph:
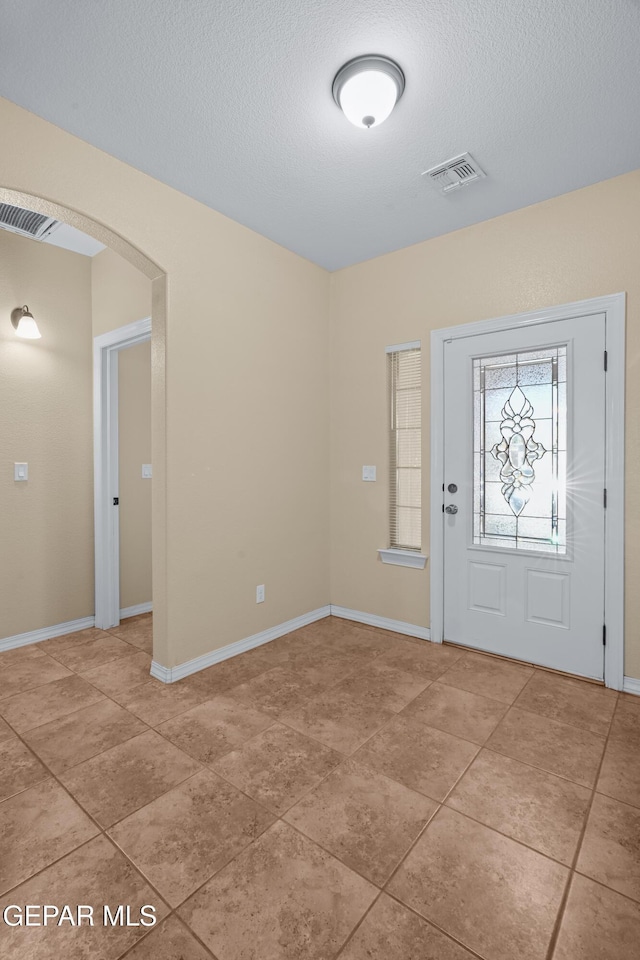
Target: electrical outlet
x=260 y=593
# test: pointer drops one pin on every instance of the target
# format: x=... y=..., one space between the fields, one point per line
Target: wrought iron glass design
x=520 y=450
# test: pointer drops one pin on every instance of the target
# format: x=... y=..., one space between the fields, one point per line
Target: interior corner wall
x=46 y=533
x=244 y=482
x=579 y=245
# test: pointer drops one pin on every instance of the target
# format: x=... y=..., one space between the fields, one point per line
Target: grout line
x=228 y=691
x=572 y=869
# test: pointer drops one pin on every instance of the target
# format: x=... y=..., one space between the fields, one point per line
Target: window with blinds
x=405 y=442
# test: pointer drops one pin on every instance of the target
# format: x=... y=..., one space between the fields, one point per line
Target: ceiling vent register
x=26 y=222
x=455 y=173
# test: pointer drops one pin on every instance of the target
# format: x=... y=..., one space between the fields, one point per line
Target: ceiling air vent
x=454 y=173
x=25 y=222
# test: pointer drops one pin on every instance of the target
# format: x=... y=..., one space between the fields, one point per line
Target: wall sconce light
x=24 y=324
x=367 y=89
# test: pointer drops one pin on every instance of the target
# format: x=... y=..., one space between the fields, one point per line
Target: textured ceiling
x=230 y=102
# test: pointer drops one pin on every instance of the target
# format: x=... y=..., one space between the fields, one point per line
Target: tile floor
x=342 y=791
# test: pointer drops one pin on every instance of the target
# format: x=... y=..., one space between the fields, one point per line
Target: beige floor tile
x=89 y=654
x=498 y=679
x=96 y=874
x=424 y=659
x=537 y=808
x=125 y=778
x=169 y=941
x=510 y=894
x=154 y=702
x=391 y=932
x=276 y=691
x=365 y=819
x=626 y=722
x=29 y=673
x=343 y=717
x=278 y=766
x=5 y=730
x=322 y=667
x=27 y=652
x=458 y=712
x=380 y=683
x=66 y=742
x=418 y=756
x=620 y=774
x=137 y=631
x=610 y=851
x=215 y=728
x=598 y=924
x=585 y=705
x=50 y=702
x=37 y=827
x=282 y=899
x=56 y=644
x=185 y=836
x=119 y=675
x=19 y=768
x=549 y=744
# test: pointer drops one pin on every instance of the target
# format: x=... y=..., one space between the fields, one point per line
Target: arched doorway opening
x=157 y=276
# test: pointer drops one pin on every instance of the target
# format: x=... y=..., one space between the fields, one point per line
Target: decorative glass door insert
x=520 y=450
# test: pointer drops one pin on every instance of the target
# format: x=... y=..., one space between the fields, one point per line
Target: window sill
x=404 y=558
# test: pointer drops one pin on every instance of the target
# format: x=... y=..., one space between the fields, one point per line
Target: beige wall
x=121 y=294
x=241 y=472
x=134 y=441
x=583 y=244
x=46 y=531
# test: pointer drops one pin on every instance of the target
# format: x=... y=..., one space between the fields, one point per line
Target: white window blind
x=404 y=371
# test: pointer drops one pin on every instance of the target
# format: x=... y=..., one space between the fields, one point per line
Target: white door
x=524 y=428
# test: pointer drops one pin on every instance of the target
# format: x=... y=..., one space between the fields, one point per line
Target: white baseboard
x=372 y=620
x=46 y=633
x=136 y=610
x=631 y=685
x=171 y=674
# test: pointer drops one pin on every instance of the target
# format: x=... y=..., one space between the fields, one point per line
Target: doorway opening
x=106 y=351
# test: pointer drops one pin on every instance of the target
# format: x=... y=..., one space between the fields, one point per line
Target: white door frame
x=613 y=307
x=105 y=466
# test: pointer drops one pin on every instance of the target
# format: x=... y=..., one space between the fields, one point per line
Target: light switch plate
x=147 y=471
x=368 y=473
x=21 y=471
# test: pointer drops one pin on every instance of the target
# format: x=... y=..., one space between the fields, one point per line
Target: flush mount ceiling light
x=24 y=324
x=367 y=89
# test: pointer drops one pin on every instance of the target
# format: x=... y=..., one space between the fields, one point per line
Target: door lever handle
x=451 y=508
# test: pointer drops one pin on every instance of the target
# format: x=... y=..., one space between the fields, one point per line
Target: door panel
x=525 y=446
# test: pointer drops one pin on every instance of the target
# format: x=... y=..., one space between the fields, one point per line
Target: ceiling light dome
x=367 y=89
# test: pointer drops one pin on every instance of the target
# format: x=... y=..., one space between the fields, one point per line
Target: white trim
x=171 y=674
x=631 y=685
x=399 y=347
x=613 y=307
x=136 y=610
x=395 y=626
x=614 y=483
x=105 y=465
x=403 y=558
x=46 y=633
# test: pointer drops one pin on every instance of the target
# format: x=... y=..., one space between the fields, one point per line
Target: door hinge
x=606 y=357
x=443 y=507
x=116 y=501
x=605 y=498
x=604 y=634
